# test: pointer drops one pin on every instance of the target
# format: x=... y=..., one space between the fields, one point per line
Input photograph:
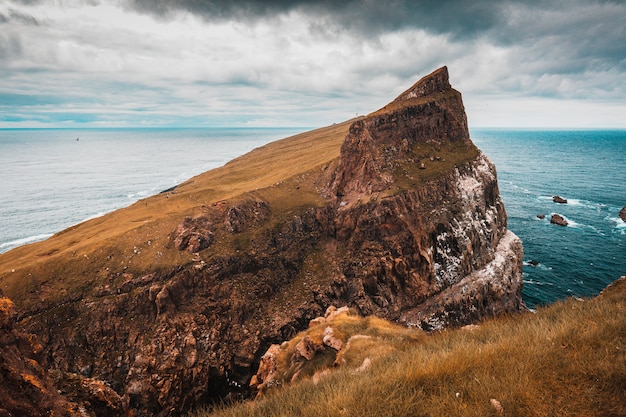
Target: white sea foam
x=619 y=225
x=570 y=222
x=30 y=239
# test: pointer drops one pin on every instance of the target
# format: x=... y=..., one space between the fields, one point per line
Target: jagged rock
x=306 y=348
x=333 y=312
x=92 y=394
x=248 y=214
x=330 y=340
x=368 y=230
x=330 y=314
x=267 y=368
x=26 y=388
x=8 y=313
x=622 y=214
x=474 y=297
x=193 y=234
x=558 y=199
x=558 y=220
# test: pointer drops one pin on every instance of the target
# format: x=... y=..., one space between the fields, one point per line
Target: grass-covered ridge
x=567 y=359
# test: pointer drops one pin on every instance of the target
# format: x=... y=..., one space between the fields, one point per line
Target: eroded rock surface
x=26 y=389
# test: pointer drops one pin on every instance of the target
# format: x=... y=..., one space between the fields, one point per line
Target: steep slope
x=568 y=359
x=26 y=388
x=173 y=300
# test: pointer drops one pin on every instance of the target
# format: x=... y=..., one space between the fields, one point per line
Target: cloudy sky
x=530 y=63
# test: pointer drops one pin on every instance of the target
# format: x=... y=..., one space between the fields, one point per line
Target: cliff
x=172 y=301
x=26 y=388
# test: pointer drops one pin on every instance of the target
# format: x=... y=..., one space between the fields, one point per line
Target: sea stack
x=172 y=301
x=558 y=220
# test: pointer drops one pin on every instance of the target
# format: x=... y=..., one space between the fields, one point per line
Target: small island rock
x=541 y=216
x=558 y=219
x=559 y=199
x=622 y=214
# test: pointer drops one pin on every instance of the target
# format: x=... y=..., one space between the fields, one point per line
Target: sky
x=309 y=63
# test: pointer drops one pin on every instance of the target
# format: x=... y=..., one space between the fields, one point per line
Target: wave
x=30 y=239
x=538 y=283
x=570 y=222
x=619 y=225
x=538 y=265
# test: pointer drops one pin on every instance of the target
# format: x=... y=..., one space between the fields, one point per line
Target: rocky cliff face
x=406 y=224
x=26 y=388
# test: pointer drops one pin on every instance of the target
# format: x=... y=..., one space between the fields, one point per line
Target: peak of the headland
x=173 y=300
x=436 y=82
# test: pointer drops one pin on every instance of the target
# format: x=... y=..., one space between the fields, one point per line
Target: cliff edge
x=173 y=301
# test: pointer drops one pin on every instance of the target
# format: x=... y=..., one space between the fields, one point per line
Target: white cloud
x=100 y=63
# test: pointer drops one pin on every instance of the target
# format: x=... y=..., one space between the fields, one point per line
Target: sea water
x=52 y=179
x=588 y=169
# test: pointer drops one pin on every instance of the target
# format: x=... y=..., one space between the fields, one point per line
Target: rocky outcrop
x=559 y=199
x=26 y=388
x=558 y=220
x=622 y=214
x=406 y=224
x=311 y=353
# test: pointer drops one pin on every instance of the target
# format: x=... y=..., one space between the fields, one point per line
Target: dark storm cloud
x=588 y=28
x=366 y=16
x=192 y=60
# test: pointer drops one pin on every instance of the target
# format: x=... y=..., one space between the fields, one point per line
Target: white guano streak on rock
x=471 y=190
x=499 y=275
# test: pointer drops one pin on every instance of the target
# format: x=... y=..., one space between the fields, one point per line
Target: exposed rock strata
x=407 y=224
x=26 y=389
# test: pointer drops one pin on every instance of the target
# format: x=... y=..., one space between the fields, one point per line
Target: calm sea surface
x=51 y=180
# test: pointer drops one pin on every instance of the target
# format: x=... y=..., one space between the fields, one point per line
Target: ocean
x=588 y=169
x=54 y=178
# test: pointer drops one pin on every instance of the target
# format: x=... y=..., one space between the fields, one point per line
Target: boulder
x=622 y=214
x=306 y=348
x=558 y=220
x=559 y=199
x=541 y=216
x=331 y=340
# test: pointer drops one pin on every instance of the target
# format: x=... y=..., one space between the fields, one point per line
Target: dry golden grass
x=73 y=261
x=568 y=359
